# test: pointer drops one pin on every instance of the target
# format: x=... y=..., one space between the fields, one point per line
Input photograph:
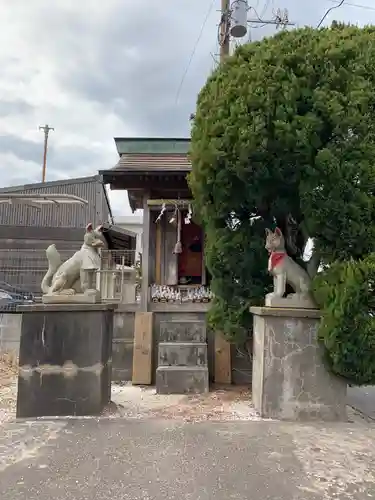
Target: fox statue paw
x=67 y=291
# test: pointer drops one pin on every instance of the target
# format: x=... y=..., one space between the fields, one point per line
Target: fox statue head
x=94 y=237
x=275 y=241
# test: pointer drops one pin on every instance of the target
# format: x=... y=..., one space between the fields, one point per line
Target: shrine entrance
x=190 y=261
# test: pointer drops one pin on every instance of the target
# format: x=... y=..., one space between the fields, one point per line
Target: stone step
x=183 y=331
x=182 y=380
x=182 y=354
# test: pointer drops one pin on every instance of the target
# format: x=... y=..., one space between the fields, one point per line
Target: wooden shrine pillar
x=158 y=253
x=145 y=255
x=143 y=323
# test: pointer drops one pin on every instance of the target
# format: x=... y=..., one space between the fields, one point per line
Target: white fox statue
x=286 y=271
x=72 y=277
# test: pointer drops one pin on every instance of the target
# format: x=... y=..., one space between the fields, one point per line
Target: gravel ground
x=227 y=404
x=220 y=404
x=8 y=387
x=137 y=402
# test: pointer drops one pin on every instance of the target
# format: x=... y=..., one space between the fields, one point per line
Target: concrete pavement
x=363 y=399
x=92 y=459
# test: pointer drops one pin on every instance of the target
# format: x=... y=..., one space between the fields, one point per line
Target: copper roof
x=153 y=162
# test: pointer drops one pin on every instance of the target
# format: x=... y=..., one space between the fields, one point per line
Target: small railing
x=22 y=271
x=119 y=276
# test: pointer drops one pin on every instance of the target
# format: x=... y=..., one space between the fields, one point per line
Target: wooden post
x=158 y=254
x=223 y=365
x=145 y=255
x=142 y=353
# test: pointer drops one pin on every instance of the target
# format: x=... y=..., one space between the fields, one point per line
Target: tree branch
x=313 y=264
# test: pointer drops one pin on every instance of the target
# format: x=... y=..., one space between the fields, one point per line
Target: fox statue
x=73 y=276
x=286 y=271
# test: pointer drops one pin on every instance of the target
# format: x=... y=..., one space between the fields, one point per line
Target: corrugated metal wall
x=25 y=269
x=25 y=232
x=90 y=188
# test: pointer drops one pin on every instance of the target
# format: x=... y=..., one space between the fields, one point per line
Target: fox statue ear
x=99 y=228
x=89 y=227
x=278 y=231
x=268 y=231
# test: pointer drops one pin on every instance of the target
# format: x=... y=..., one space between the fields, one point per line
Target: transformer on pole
x=238 y=25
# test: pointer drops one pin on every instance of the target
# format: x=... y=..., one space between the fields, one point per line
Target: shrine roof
x=150 y=155
x=149 y=164
x=152 y=145
x=153 y=162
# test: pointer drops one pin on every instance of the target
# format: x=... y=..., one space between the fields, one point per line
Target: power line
x=357 y=5
x=265 y=8
x=194 y=50
x=328 y=11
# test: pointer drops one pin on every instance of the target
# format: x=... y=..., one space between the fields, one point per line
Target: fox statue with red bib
x=286 y=271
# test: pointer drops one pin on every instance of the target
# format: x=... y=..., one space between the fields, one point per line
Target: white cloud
x=16 y=169
x=96 y=70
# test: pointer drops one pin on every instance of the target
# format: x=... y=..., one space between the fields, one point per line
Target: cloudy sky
x=95 y=70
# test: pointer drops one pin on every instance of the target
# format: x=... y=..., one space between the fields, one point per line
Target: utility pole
x=223 y=35
x=236 y=13
x=46 y=130
x=224 y=38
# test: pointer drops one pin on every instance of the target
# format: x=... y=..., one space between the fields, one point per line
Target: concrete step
x=182 y=380
x=183 y=331
x=182 y=354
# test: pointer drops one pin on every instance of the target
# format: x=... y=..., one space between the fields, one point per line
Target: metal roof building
x=91 y=189
x=26 y=230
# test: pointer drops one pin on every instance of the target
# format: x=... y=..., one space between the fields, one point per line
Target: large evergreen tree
x=284 y=135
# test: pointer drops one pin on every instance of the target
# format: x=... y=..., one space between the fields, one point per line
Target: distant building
x=133 y=223
x=26 y=230
x=29 y=226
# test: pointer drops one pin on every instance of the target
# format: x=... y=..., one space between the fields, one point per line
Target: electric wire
x=193 y=51
x=265 y=8
x=357 y=5
x=329 y=10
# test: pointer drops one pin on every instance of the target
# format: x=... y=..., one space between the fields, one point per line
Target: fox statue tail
x=54 y=262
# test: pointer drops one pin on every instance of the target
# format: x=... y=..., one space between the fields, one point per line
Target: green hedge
x=345 y=293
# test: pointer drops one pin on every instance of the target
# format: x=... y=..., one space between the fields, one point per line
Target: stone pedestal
x=65 y=359
x=290 y=379
x=183 y=354
x=182 y=358
x=90 y=297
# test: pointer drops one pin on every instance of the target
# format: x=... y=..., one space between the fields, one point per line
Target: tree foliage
x=284 y=130
x=346 y=295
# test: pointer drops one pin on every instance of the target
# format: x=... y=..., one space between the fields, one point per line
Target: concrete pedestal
x=65 y=359
x=290 y=379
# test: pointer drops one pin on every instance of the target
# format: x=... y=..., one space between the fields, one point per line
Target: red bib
x=276 y=258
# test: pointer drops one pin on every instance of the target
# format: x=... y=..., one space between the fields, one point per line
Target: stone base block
x=182 y=354
x=182 y=331
x=129 y=293
x=91 y=297
x=64 y=360
x=291 y=301
x=181 y=380
x=290 y=380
